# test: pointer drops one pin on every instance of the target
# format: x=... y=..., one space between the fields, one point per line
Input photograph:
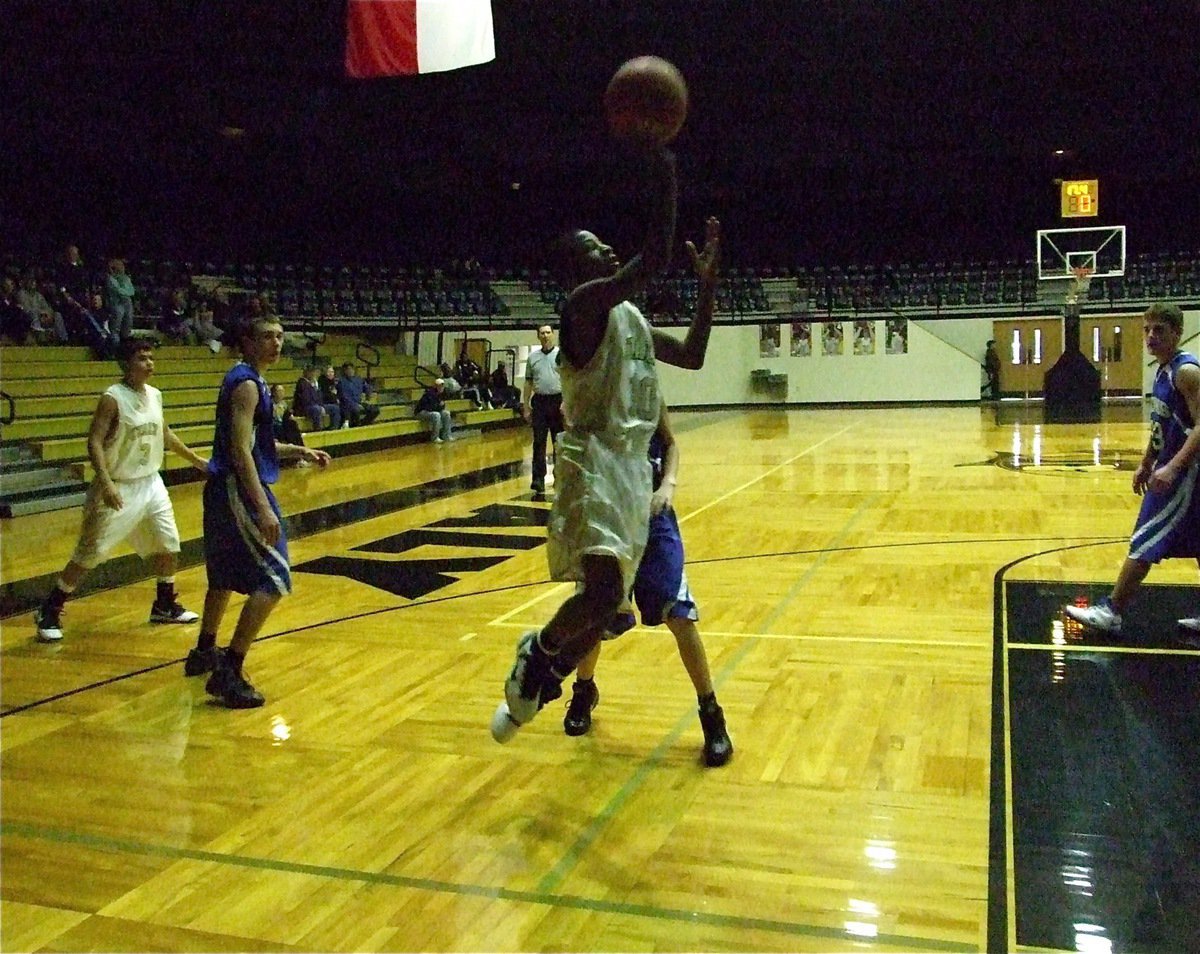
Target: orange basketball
x=646 y=101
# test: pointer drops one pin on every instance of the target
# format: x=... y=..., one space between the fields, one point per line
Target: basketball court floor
x=927 y=757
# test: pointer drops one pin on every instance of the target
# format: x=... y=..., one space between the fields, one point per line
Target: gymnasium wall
x=942 y=364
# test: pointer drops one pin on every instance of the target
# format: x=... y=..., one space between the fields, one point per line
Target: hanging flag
x=402 y=37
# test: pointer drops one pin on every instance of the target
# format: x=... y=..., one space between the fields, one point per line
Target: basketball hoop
x=1079 y=284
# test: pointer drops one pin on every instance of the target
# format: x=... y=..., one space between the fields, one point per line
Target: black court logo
x=374 y=564
x=1088 y=462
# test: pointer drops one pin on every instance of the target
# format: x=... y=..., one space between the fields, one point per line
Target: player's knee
x=605 y=597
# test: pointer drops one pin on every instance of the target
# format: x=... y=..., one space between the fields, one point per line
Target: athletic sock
x=57 y=597
x=206 y=641
x=234 y=660
x=166 y=591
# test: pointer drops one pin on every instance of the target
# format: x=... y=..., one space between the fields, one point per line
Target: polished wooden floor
x=844 y=562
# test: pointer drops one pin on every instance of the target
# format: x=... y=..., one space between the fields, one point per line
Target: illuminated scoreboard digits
x=1080 y=198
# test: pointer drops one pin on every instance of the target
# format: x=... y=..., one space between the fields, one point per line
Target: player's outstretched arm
x=690 y=352
x=175 y=445
x=585 y=312
x=300 y=452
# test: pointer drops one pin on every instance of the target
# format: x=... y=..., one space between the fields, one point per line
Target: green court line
x=129 y=846
x=555 y=876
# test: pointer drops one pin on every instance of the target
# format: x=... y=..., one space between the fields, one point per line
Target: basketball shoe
x=171 y=613
x=231 y=687
x=718 y=747
x=584 y=698
x=529 y=686
x=1101 y=617
x=49 y=624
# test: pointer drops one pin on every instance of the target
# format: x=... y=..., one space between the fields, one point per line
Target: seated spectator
x=16 y=327
x=118 y=298
x=307 y=400
x=451 y=387
x=102 y=337
x=175 y=323
x=284 y=425
x=47 y=325
x=503 y=393
x=73 y=294
x=470 y=376
x=353 y=392
x=327 y=383
x=431 y=409
x=203 y=329
x=224 y=315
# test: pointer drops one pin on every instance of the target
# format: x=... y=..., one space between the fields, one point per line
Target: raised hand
x=706 y=262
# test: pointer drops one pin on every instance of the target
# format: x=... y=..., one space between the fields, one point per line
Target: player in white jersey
x=599 y=519
x=127 y=499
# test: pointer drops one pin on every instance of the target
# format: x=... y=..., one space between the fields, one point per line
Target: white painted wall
x=933 y=369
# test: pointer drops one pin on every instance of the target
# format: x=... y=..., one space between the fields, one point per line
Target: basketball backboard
x=1101 y=248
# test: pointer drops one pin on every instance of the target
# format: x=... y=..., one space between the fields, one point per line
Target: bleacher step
x=24 y=478
x=44 y=501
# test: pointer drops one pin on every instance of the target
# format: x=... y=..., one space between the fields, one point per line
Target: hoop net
x=1079 y=284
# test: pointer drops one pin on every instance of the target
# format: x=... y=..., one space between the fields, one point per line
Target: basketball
x=646 y=101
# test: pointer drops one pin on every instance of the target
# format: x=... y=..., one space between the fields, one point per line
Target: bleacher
x=43 y=451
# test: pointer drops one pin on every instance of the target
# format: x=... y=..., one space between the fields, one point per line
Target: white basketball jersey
x=615 y=395
x=135 y=449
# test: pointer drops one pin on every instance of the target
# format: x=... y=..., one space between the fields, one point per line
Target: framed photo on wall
x=801 y=339
x=832 y=337
x=897 y=336
x=769 y=337
x=864 y=337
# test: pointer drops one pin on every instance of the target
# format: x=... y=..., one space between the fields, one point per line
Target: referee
x=541 y=402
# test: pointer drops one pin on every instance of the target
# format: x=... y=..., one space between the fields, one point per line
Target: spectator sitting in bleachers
x=84 y=322
x=470 y=376
x=203 y=330
x=431 y=409
x=16 y=327
x=331 y=392
x=47 y=325
x=503 y=393
x=353 y=392
x=450 y=386
x=307 y=400
x=106 y=343
x=175 y=322
x=119 y=293
x=284 y=425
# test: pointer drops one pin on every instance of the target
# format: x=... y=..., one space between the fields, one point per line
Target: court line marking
x=531 y=602
x=166 y=664
x=596 y=825
x=577 y=902
x=767 y=473
x=562 y=587
x=983 y=642
x=1106 y=650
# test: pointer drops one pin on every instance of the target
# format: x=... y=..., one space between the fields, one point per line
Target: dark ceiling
x=820 y=131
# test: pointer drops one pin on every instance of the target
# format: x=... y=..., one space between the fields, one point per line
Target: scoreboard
x=1080 y=198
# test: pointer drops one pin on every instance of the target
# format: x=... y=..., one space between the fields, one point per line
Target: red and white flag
x=402 y=37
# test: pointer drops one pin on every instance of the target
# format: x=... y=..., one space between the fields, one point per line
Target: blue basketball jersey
x=1168 y=524
x=266 y=461
x=1170 y=419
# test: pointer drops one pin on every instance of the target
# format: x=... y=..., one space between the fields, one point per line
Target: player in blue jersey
x=661 y=591
x=1168 y=524
x=245 y=546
